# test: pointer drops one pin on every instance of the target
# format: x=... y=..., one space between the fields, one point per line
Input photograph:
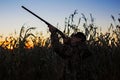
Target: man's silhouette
x=73 y=51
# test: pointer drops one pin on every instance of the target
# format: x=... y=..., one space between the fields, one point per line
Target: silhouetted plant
x=42 y=63
x=24 y=34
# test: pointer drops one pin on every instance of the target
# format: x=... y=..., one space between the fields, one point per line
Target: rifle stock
x=63 y=35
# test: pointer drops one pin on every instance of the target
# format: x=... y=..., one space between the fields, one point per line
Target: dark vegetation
x=40 y=62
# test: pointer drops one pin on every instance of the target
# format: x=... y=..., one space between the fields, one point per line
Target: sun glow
x=29 y=44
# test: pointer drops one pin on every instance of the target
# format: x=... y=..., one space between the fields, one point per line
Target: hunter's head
x=77 y=38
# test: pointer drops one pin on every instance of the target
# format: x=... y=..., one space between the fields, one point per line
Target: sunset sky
x=12 y=16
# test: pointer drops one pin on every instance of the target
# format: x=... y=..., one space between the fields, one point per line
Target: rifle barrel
x=35 y=15
x=44 y=21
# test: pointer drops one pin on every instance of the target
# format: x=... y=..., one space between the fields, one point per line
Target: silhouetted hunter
x=73 y=51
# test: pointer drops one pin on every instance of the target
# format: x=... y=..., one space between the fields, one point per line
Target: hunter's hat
x=79 y=35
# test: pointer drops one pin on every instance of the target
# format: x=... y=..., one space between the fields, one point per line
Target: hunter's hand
x=52 y=29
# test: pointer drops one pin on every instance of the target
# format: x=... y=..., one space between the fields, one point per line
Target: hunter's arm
x=59 y=48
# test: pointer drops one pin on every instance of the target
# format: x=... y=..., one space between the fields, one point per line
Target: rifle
x=49 y=25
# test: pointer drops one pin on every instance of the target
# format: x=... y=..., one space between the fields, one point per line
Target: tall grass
x=40 y=62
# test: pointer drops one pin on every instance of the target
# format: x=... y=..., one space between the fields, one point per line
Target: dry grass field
x=29 y=57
